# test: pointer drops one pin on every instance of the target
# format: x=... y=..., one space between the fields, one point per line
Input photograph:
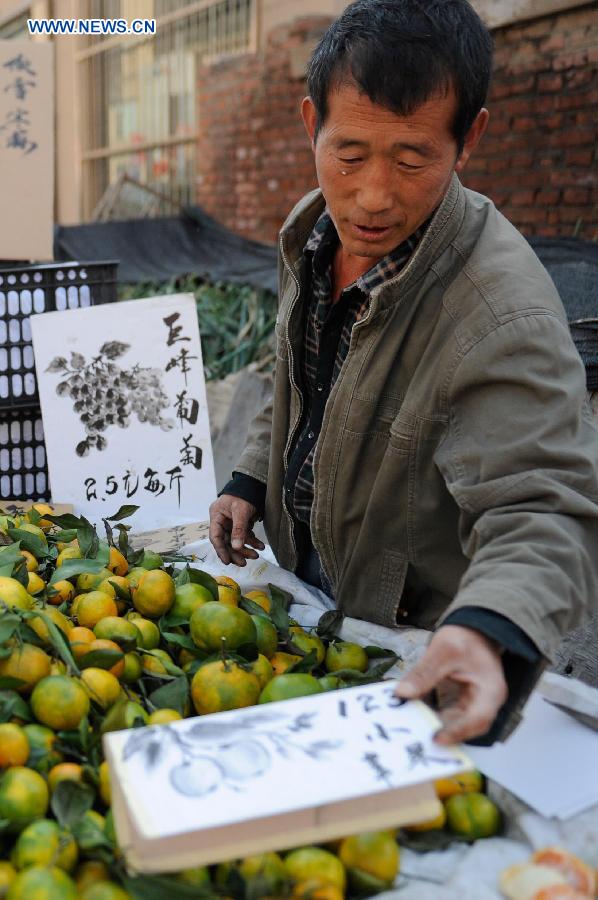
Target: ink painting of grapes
x=104 y=395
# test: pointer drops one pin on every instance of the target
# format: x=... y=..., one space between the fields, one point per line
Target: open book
x=268 y=777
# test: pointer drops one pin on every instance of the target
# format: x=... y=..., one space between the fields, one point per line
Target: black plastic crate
x=23 y=466
x=35 y=289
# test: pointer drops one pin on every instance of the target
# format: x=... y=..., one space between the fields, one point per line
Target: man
x=428 y=458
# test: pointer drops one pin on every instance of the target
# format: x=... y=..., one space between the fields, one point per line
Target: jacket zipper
x=292 y=433
x=357 y=325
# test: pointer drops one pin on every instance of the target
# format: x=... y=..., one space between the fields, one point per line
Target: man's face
x=382 y=175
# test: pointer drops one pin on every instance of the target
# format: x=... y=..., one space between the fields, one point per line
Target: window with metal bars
x=139 y=97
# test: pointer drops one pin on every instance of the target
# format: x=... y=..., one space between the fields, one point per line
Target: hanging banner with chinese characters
x=26 y=150
x=124 y=408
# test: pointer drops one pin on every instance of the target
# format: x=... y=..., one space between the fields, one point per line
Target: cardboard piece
x=171 y=540
x=124 y=408
x=26 y=149
x=549 y=762
x=11 y=507
x=273 y=776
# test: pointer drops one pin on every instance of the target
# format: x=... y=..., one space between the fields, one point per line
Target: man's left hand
x=465 y=669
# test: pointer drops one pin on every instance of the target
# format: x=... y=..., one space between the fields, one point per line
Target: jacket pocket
x=391 y=584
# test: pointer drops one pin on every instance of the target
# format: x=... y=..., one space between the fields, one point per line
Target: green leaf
x=351 y=677
x=30 y=542
x=20 y=573
x=8 y=625
x=382 y=668
x=253 y=608
x=172 y=621
x=123 y=513
x=196 y=576
x=5 y=652
x=123 y=541
x=65 y=536
x=157 y=887
x=282 y=597
x=11 y=704
x=181 y=640
x=10 y=555
x=6 y=571
x=88 y=834
x=72 y=567
x=57 y=638
x=329 y=624
x=67 y=520
x=169 y=666
x=248 y=651
x=424 y=841
x=307 y=664
x=120 y=592
x=8 y=683
x=279 y=615
x=380 y=653
x=101 y=659
x=173 y=695
x=182 y=577
x=70 y=801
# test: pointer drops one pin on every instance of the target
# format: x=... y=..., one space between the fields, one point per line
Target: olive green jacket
x=457 y=460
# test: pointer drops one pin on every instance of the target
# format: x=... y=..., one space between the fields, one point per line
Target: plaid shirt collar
x=323 y=241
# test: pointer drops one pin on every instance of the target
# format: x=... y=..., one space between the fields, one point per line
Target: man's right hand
x=231 y=530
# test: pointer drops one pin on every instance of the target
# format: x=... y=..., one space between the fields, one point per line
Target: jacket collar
x=439 y=234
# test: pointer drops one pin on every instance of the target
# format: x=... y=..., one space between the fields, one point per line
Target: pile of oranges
x=96 y=637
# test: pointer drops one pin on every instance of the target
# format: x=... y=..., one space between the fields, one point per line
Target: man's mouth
x=370 y=232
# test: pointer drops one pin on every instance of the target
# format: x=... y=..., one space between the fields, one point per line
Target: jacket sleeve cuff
x=247 y=488
x=498 y=628
x=521 y=659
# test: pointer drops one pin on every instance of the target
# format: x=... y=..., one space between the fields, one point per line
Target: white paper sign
x=262 y=761
x=124 y=407
x=26 y=149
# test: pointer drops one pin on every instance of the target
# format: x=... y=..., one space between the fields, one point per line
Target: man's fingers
x=242 y=515
x=218 y=534
x=254 y=542
x=421 y=680
x=462 y=724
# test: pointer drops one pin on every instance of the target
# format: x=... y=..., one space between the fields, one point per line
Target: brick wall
x=254 y=156
x=537 y=160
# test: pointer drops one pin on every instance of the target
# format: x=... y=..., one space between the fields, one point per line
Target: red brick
x=554 y=42
x=524 y=123
x=522 y=198
x=579 y=77
x=577 y=137
x=498 y=165
x=547 y=197
x=576 y=196
x=549 y=83
x=552 y=122
x=532 y=214
x=502 y=89
x=570 y=60
x=573 y=178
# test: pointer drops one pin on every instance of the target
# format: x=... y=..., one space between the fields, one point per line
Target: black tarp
x=169 y=247
x=195 y=244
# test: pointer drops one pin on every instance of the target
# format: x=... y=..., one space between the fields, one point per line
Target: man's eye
x=347 y=162
x=406 y=165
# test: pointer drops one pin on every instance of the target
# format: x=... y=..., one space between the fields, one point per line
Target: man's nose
x=374 y=194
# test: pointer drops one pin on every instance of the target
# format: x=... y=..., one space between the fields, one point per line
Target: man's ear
x=310 y=118
x=472 y=138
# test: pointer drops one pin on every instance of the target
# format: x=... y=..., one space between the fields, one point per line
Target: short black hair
x=403 y=52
